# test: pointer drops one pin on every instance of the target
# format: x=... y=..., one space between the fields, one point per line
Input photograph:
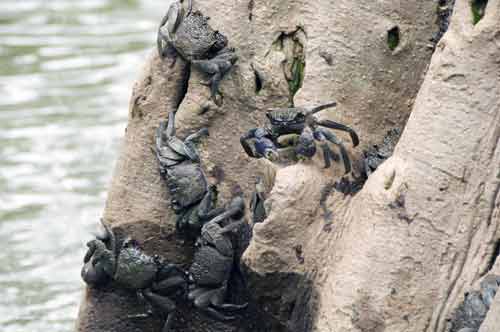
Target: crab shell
x=287 y=115
x=195 y=39
x=210 y=267
x=189 y=183
x=135 y=269
x=286 y=121
x=211 y=234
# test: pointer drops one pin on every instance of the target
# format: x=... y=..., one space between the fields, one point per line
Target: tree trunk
x=398 y=255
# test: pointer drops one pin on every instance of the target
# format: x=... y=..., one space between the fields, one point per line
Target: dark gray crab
x=169 y=25
x=191 y=197
x=128 y=267
x=188 y=34
x=302 y=122
x=215 y=259
x=377 y=154
x=471 y=313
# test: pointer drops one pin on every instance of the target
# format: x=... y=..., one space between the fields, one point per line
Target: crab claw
x=306 y=148
x=271 y=154
x=264 y=147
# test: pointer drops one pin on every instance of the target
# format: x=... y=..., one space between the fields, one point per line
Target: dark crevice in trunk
x=287 y=299
x=393 y=37
x=443 y=11
x=258 y=80
x=494 y=255
x=478 y=8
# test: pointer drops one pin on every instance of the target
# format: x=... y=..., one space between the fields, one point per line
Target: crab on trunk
x=188 y=34
x=215 y=259
x=128 y=267
x=375 y=155
x=192 y=199
x=301 y=122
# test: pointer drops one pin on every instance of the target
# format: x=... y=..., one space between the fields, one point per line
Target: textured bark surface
x=424 y=227
x=399 y=255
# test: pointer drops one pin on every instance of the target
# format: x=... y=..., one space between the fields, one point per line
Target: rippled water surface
x=66 y=71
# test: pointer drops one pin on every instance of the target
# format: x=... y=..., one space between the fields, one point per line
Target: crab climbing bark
x=302 y=122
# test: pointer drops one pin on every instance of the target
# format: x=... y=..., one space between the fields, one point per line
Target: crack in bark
x=184 y=87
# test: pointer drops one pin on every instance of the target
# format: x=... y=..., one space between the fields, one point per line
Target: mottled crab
x=192 y=199
x=301 y=122
x=216 y=257
x=128 y=267
x=188 y=34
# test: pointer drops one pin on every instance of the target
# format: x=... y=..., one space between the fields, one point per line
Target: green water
x=66 y=72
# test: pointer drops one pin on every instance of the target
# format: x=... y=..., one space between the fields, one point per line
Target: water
x=66 y=72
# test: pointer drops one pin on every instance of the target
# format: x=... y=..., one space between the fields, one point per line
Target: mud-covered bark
x=138 y=206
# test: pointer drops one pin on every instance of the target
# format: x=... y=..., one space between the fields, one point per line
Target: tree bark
x=398 y=255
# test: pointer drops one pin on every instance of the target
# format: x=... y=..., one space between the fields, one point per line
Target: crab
x=188 y=34
x=169 y=25
x=192 y=199
x=216 y=68
x=471 y=313
x=128 y=267
x=302 y=122
x=377 y=154
x=214 y=261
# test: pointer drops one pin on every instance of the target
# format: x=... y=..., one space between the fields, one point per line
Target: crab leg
x=92 y=245
x=214 y=84
x=203 y=299
x=232 y=226
x=217 y=301
x=170 y=284
x=339 y=126
x=170 y=125
x=211 y=68
x=243 y=140
x=223 y=216
x=189 y=145
x=206 y=208
x=197 y=135
x=236 y=207
x=164 y=162
x=230 y=306
x=327 y=154
x=165 y=304
x=332 y=138
x=317 y=109
x=107 y=236
x=161 y=36
x=217 y=315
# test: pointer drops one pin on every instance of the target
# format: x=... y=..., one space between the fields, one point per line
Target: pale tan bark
x=369 y=250
x=423 y=229
x=446 y=166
